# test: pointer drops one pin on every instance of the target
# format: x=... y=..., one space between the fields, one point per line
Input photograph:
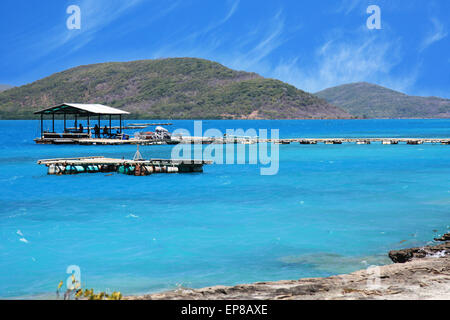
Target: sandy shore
x=424 y=275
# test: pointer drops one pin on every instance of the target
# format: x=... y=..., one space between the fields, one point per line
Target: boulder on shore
x=445 y=237
x=405 y=255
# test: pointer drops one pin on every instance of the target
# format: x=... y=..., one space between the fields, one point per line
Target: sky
x=311 y=44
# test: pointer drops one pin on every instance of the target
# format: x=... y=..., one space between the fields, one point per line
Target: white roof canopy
x=78 y=108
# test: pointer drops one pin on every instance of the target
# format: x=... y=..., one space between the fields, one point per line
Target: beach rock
x=405 y=255
x=401 y=256
x=445 y=237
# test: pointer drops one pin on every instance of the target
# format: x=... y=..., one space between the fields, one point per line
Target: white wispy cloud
x=254 y=47
x=438 y=33
x=214 y=25
x=347 y=6
x=231 y=12
x=159 y=11
x=198 y=42
x=95 y=15
x=266 y=43
x=336 y=62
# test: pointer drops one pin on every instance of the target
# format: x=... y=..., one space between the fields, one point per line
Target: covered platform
x=91 y=113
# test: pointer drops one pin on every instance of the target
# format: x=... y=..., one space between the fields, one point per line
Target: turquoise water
x=330 y=209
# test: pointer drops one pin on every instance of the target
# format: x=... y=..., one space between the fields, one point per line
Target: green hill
x=372 y=101
x=178 y=88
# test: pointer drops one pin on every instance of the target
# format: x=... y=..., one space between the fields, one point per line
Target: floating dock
x=413 y=141
x=131 y=167
x=248 y=140
x=243 y=140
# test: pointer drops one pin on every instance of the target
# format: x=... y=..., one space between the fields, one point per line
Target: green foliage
x=367 y=100
x=88 y=294
x=179 y=88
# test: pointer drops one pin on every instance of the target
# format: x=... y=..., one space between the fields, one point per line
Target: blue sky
x=309 y=44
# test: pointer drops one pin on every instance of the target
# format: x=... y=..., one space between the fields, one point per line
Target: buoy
x=126 y=169
x=52 y=169
x=149 y=169
x=172 y=169
x=56 y=169
x=137 y=171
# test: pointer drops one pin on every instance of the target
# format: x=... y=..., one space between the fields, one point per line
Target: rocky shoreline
x=417 y=273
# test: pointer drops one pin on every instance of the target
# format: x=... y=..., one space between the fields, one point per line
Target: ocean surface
x=330 y=209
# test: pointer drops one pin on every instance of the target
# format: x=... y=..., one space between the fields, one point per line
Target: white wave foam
x=438 y=254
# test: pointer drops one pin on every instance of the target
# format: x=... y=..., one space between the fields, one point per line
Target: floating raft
x=130 y=167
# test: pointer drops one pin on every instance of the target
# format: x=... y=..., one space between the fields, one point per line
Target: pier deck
x=246 y=140
x=363 y=140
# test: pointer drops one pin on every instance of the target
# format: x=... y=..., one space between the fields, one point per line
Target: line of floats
x=249 y=140
x=139 y=167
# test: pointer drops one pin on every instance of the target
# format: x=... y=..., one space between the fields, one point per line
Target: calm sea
x=330 y=209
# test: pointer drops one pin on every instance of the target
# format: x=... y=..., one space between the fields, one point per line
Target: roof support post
x=120 y=125
x=65 y=122
x=110 y=129
x=99 y=128
x=53 y=122
x=42 y=125
x=88 y=126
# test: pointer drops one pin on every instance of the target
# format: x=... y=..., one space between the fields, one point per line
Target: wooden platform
x=131 y=167
x=413 y=141
x=237 y=140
